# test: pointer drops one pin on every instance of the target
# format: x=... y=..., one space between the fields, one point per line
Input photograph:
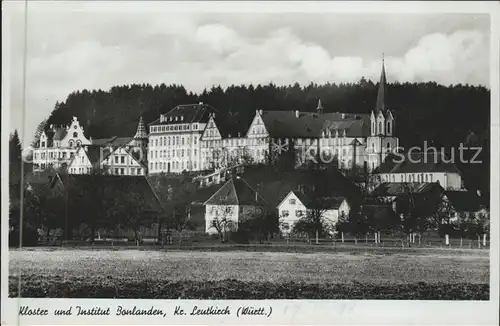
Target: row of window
x=173 y=141
x=175 y=153
x=173 y=127
x=414 y=177
x=298 y=213
x=52 y=155
x=380 y=129
x=168 y=166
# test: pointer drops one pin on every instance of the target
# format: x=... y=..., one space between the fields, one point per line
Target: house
x=114 y=156
x=58 y=145
x=236 y=201
x=419 y=167
x=297 y=205
x=465 y=204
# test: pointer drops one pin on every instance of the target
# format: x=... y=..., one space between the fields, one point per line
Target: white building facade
x=295 y=206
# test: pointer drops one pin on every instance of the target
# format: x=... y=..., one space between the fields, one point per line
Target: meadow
x=240 y=274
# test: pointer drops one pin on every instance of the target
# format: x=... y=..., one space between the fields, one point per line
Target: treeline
x=424 y=111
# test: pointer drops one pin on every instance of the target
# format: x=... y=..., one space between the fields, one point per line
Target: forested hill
x=424 y=111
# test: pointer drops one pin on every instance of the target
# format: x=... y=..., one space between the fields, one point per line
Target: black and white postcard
x=257 y=163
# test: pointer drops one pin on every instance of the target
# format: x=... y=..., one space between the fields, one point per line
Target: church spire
x=141 y=130
x=319 y=108
x=380 y=106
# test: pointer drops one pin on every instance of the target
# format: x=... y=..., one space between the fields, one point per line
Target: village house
x=464 y=204
x=297 y=205
x=58 y=145
x=75 y=153
x=419 y=167
x=235 y=202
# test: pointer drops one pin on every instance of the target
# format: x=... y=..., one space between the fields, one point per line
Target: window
x=116 y=159
x=298 y=213
x=156 y=166
x=292 y=201
x=431 y=177
x=70 y=143
x=389 y=127
x=43 y=144
x=122 y=171
x=75 y=134
x=156 y=142
x=122 y=159
x=380 y=127
x=388 y=147
x=285 y=213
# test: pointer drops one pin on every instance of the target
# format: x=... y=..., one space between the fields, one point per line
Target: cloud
x=81 y=50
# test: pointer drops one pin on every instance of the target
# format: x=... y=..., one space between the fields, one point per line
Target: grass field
x=438 y=274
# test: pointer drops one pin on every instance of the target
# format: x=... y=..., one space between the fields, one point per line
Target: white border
x=350 y=312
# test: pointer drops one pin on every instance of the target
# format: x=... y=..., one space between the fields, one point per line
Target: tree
x=38 y=132
x=180 y=207
x=261 y=224
x=222 y=222
x=131 y=210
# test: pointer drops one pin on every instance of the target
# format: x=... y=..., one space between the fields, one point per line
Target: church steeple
x=141 y=130
x=380 y=106
x=319 y=108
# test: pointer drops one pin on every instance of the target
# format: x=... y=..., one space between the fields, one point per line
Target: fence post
x=460 y=242
x=342 y=234
x=366 y=237
x=317 y=240
x=447 y=239
x=356 y=239
x=376 y=235
x=479 y=241
x=484 y=240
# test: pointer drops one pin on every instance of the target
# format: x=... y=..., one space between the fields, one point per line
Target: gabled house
x=87 y=159
x=297 y=205
x=236 y=201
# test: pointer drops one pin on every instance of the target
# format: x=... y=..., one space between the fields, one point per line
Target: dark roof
x=189 y=112
x=464 y=201
x=389 y=189
x=113 y=141
x=311 y=125
x=418 y=162
x=375 y=210
x=112 y=185
x=236 y=191
x=59 y=134
x=326 y=202
x=388 y=164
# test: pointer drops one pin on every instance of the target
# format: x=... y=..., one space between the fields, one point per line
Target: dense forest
x=442 y=116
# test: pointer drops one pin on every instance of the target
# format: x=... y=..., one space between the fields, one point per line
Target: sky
x=74 y=50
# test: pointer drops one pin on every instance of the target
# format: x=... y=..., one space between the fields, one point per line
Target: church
x=196 y=137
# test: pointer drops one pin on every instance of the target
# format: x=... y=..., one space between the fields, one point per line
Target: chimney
x=200 y=103
x=478 y=193
x=297 y=113
x=343 y=115
x=261 y=111
x=256 y=197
